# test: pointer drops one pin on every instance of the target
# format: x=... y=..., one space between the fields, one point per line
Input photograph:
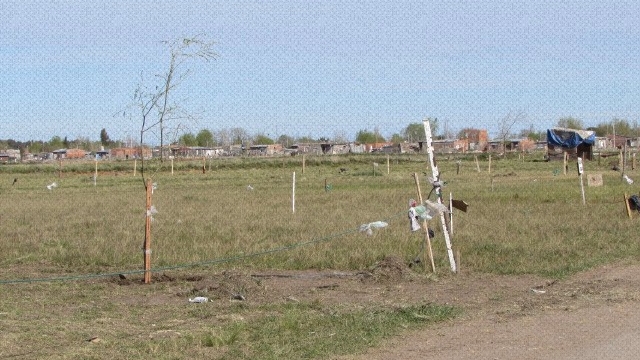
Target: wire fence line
x=196 y=264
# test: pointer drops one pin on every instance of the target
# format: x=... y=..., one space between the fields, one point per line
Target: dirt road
x=594 y=315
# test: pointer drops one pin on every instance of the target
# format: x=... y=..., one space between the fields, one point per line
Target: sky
x=318 y=68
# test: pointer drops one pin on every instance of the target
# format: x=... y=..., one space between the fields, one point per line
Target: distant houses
x=470 y=141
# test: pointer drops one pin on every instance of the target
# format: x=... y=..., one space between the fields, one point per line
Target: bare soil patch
x=525 y=317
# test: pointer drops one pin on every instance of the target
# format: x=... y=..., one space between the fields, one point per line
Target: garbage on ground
x=368 y=228
x=628 y=179
x=52 y=186
x=199 y=299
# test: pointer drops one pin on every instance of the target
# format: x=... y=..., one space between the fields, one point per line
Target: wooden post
x=425 y=225
x=633 y=161
x=564 y=160
x=624 y=160
x=580 y=171
x=477 y=163
x=621 y=162
x=489 y=163
x=135 y=166
x=147 y=236
x=303 y=163
x=293 y=193
x=204 y=165
x=438 y=191
x=171 y=165
x=626 y=203
x=95 y=174
x=388 y=169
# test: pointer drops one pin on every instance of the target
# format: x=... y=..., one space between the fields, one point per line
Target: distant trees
x=188 y=139
x=205 y=138
x=616 y=126
x=262 y=139
x=570 y=123
x=368 y=137
x=414 y=132
x=104 y=137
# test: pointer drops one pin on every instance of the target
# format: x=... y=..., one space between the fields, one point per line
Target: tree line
x=413 y=132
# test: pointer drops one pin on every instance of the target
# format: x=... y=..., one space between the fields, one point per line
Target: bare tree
x=155 y=104
x=506 y=124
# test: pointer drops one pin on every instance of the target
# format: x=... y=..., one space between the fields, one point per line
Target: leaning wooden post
x=147 y=235
x=436 y=178
x=477 y=163
x=626 y=203
x=425 y=226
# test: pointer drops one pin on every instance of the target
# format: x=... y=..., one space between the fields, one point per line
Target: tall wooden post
x=147 y=236
x=436 y=177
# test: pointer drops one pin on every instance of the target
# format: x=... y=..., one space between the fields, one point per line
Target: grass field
x=59 y=246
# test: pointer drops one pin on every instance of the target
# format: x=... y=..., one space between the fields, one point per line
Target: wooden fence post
x=147 y=236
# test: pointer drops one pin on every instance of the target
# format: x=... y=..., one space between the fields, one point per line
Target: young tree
x=154 y=105
x=505 y=125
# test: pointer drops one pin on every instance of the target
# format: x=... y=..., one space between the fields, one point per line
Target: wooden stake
x=477 y=163
x=626 y=203
x=147 y=236
x=303 y=163
x=489 y=163
x=388 y=164
x=95 y=174
x=172 y=166
x=135 y=166
x=425 y=225
x=293 y=193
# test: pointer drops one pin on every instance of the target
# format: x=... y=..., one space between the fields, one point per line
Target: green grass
x=525 y=217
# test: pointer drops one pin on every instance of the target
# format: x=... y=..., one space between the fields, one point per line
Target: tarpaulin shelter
x=576 y=143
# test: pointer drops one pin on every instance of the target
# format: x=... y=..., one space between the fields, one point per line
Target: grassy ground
x=525 y=217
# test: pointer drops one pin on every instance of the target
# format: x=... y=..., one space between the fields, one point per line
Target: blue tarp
x=570 y=138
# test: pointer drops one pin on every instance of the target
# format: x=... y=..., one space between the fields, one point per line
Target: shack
x=576 y=143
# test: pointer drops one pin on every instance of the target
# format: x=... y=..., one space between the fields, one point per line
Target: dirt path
x=594 y=315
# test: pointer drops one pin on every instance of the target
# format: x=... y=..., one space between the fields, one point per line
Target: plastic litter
x=199 y=299
x=628 y=179
x=368 y=228
x=52 y=186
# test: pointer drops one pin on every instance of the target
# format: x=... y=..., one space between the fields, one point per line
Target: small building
x=126 y=153
x=576 y=143
x=69 y=154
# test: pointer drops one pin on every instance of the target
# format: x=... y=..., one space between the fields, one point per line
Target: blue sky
x=319 y=68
